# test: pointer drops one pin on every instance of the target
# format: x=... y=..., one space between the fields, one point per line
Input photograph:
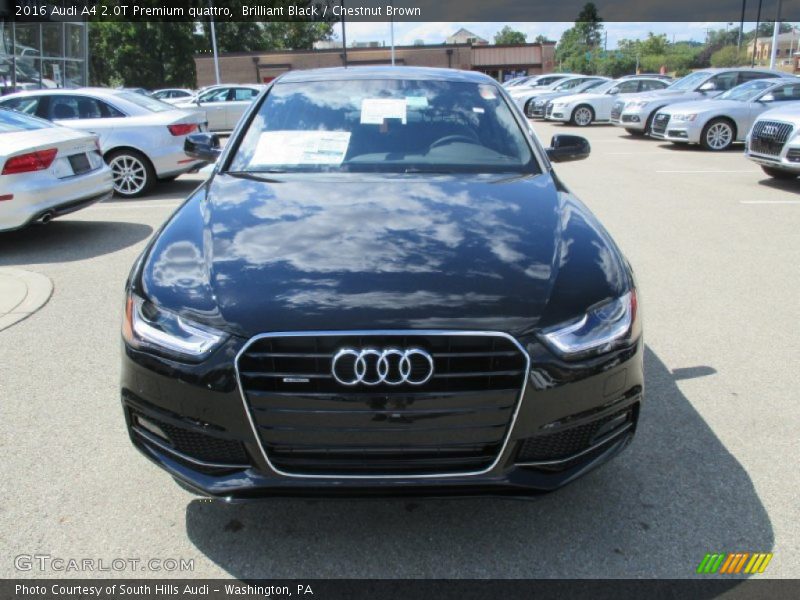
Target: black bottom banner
x=382 y=589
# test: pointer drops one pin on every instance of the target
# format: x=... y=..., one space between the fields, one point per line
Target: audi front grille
x=616 y=110
x=451 y=415
x=660 y=122
x=768 y=137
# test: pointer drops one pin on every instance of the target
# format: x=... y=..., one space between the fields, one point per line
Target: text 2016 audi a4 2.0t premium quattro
x=382 y=288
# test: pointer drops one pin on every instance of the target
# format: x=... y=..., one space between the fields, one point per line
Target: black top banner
x=398 y=10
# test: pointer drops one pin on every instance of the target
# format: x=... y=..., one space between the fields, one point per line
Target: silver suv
x=774 y=142
x=635 y=113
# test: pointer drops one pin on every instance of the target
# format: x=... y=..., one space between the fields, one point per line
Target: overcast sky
x=405 y=33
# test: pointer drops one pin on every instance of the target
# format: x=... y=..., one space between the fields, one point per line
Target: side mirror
x=767 y=98
x=613 y=91
x=708 y=86
x=204 y=146
x=568 y=147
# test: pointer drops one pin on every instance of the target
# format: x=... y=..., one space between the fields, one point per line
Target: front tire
x=133 y=174
x=778 y=173
x=582 y=116
x=718 y=135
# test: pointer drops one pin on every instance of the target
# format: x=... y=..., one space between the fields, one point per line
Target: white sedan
x=141 y=138
x=223 y=105
x=46 y=171
x=595 y=105
x=173 y=95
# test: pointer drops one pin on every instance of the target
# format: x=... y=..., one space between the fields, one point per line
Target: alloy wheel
x=583 y=116
x=130 y=174
x=719 y=136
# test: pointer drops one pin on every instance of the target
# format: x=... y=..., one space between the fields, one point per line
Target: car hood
x=585 y=97
x=657 y=95
x=405 y=252
x=701 y=106
x=790 y=112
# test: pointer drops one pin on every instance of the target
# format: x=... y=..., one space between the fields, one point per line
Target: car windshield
x=747 y=91
x=604 y=86
x=146 y=102
x=690 y=82
x=589 y=85
x=12 y=121
x=384 y=126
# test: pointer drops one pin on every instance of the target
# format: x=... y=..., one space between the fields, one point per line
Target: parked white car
x=718 y=123
x=594 y=106
x=173 y=95
x=46 y=171
x=537 y=107
x=526 y=98
x=774 y=142
x=635 y=113
x=223 y=105
x=141 y=138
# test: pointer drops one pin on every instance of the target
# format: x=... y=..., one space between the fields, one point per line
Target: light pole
x=775 y=31
x=214 y=44
x=741 y=26
x=391 y=31
x=755 y=35
x=344 y=35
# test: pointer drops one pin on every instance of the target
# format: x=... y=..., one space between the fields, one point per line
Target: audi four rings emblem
x=391 y=366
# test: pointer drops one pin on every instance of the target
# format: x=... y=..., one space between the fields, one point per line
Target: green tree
x=541 y=39
x=577 y=49
x=142 y=54
x=589 y=25
x=730 y=56
x=509 y=36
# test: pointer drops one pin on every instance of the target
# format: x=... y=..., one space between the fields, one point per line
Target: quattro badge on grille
x=391 y=366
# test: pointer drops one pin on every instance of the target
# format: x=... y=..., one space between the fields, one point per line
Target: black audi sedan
x=383 y=288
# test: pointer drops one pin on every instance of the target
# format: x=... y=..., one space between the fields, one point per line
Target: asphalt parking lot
x=713 y=469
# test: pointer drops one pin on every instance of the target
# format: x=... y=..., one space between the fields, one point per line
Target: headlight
x=683 y=118
x=560 y=104
x=149 y=327
x=636 y=104
x=612 y=324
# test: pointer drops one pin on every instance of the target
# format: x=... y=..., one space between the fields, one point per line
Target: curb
x=22 y=293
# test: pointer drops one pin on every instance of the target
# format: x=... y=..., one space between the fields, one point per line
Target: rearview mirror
x=204 y=146
x=568 y=147
x=708 y=86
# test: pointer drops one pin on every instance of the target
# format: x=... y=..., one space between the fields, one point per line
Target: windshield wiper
x=429 y=171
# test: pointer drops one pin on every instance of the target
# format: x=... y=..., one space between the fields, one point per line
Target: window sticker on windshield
x=487 y=92
x=375 y=110
x=417 y=101
x=478 y=109
x=300 y=148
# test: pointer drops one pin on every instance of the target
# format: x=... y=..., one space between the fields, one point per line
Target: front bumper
x=788 y=160
x=631 y=119
x=685 y=132
x=560 y=113
x=189 y=420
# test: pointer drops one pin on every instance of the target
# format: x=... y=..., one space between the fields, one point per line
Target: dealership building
x=44 y=54
x=499 y=61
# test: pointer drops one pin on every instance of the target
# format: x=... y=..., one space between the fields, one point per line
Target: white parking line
x=138 y=205
x=710 y=171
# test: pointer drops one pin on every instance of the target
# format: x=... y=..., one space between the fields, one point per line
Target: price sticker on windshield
x=374 y=111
